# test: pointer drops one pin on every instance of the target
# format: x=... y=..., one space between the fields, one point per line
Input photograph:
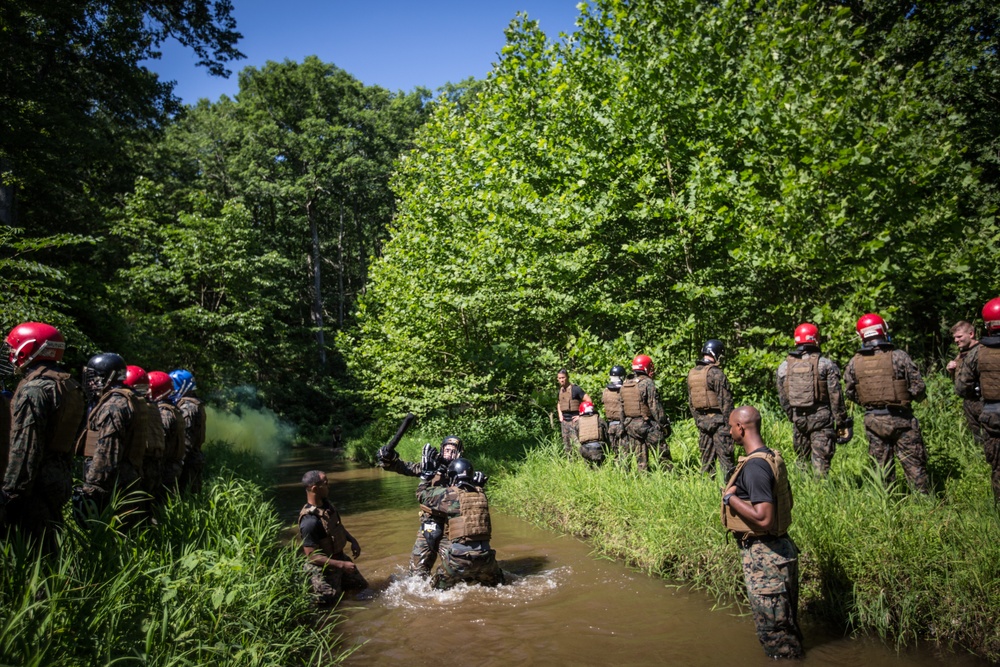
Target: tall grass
x=208 y=585
x=874 y=559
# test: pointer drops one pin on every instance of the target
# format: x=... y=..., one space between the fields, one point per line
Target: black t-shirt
x=755 y=483
x=575 y=393
x=311 y=529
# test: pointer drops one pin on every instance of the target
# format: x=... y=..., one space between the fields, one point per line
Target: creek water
x=566 y=605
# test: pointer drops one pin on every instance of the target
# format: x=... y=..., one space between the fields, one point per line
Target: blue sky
x=391 y=43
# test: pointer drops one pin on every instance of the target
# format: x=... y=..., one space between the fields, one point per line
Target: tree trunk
x=317 y=305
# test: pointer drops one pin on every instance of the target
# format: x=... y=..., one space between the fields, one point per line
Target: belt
x=748 y=540
x=896 y=411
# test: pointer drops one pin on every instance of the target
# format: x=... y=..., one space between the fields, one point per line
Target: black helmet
x=453 y=440
x=714 y=348
x=460 y=470
x=618 y=371
x=102 y=371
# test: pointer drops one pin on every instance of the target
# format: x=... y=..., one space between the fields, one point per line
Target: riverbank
x=210 y=584
x=899 y=566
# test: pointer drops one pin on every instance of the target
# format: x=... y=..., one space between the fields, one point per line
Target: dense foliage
x=676 y=171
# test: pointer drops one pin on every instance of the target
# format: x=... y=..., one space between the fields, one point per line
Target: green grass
x=874 y=560
x=209 y=585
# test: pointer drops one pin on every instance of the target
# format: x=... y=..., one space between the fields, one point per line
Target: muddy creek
x=566 y=605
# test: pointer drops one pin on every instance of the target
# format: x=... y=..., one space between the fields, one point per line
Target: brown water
x=566 y=605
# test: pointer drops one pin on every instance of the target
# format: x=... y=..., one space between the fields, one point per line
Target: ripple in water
x=407 y=591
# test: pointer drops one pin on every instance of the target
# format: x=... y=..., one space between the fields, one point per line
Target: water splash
x=254 y=430
x=412 y=592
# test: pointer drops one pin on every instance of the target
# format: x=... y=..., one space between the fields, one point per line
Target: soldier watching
x=886 y=382
x=568 y=400
x=171 y=422
x=757 y=509
x=646 y=426
x=978 y=378
x=46 y=414
x=614 y=414
x=194 y=428
x=964 y=335
x=809 y=393
x=711 y=402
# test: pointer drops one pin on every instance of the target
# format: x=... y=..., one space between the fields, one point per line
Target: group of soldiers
x=882 y=379
x=454 y=525
x=135 y=431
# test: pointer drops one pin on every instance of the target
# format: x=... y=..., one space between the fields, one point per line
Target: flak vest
x=612 y=400
x=135 y=443
x=989 y=372
x=702 y=398
x=173 y=440
x=198 y=436
x=781 y=491
x=803 y=385
x=70 y=408
x=330 y=520
x=589 y=428
x=632 y=403
x=156 y=442
x=566 y=401
x=877 y=385
x=473 y=522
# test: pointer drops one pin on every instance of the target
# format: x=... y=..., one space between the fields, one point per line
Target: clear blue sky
x=395 y=44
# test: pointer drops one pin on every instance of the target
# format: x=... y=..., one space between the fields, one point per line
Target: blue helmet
x=183 y=382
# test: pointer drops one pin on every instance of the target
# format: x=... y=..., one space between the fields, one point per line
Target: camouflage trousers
x=592 y=452
x=194 y=463
x=38 y=514
x=972 y=410
x=172 y=474
x=616 y=436
x=329 y=583
x=771 y=572
x=472 y=565
x=152 y=477
x=989 y=420
x=644 y=438
x=899 y=435
x=568 y=430
x=431 y=542
x=815 y=438
x=715 y=444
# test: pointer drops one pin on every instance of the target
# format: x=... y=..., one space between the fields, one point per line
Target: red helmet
x=136 y=378
x=872 y=326
x=586 y=408
x=991 y=315
x=643 y=363
x=807 y=334
x=160 y=385
x=34 y=340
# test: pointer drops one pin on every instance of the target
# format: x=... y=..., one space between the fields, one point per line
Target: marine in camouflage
x=432 y=533
x=714 y=441
x=814 y=429
x=329 y=583
x=194 y=427
x=967 y=385
x=771 y=573
x=642 y=437
x=109 y=468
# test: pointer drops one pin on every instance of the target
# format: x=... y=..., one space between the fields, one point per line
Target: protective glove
x=666 y=428
x=430 y=458
x=386 y=455
x=479 y=479
x=845 y=432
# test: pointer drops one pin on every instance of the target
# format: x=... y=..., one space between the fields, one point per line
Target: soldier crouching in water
x=331 y=571
x=468 y=557
x=432 y=537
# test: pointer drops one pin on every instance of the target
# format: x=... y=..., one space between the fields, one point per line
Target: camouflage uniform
x=644 y=436
x=814 y=428
x=173 y=462
x=771 y=573
x=432 y=534
x=468 y=560
x=572 y=395
x=39 y=480
x=714 y=440
x=968 y=378
x=194 y=437
x=115 y=427
x=894 y=429
x=973 y=406
x=614 y=417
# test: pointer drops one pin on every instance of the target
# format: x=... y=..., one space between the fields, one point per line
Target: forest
x=671 y=171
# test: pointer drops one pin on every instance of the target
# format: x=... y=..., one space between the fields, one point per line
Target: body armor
x=782 y=492
x=198 y=437
x=803 y=384
x=134 y=446
x=877 y=386
x=566 y=401
x=173 y=441
x=473 y=524
x=632 y=403
x=155 y=439
x=589 y=428
x=989 y=372
x=70 y=408
x=702 y=398
x=612 y=400
x=335 y=531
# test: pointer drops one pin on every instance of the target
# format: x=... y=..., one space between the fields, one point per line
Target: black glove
x=845 y=432
x=386 y=455
x=430 y=458
x=666 y=428
x=479 y=479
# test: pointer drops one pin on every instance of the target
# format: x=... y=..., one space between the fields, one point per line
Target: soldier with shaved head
x=757 y=509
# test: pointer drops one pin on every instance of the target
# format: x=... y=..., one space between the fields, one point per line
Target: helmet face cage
x=183 y=383
x=102 y=371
